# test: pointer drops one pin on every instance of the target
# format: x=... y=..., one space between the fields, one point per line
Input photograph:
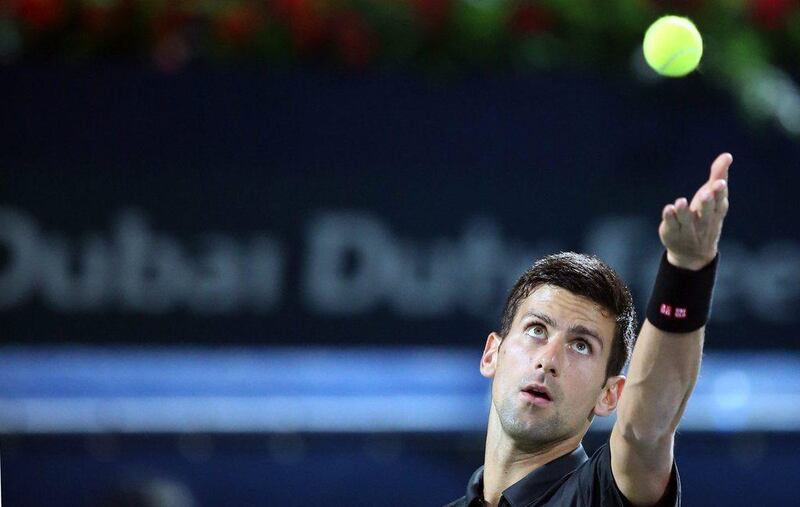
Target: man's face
x=559 y=343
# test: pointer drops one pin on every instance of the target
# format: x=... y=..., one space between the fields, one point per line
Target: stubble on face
x=527 y=428
x=529 y=434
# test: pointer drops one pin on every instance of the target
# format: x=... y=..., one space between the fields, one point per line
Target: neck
x=506 y=462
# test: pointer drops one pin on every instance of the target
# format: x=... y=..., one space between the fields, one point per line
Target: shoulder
x=598 y=486
x=592 y=484
x=461 y=502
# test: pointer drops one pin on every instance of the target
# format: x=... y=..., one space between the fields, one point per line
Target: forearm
x=661 y=377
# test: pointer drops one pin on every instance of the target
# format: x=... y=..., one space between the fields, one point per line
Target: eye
x=581 y=347
x=536 y=331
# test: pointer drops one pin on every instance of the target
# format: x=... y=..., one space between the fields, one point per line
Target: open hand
x=690 y=231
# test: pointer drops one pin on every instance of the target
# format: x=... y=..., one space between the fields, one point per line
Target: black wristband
x=681 y=298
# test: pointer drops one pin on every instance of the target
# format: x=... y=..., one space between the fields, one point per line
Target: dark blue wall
x=441 y=191
x=299 y=470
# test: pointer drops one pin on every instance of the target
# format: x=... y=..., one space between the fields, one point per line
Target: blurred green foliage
x=741 y=37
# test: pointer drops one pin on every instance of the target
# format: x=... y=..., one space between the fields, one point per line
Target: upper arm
x=642 y=471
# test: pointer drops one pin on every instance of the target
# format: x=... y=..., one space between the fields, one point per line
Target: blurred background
x=250 y=251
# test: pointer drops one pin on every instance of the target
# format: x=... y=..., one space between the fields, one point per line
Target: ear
x=609 y=397
x=490 y=355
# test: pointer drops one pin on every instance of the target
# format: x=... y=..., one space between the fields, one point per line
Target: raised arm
x=664 y=365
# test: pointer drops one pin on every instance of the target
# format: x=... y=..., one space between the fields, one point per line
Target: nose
x=549 y=358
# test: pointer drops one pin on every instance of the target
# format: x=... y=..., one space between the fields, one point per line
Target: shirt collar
x=533 y=485
x=475 y=488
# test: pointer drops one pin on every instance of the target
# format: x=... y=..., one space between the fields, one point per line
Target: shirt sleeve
x=601 y=489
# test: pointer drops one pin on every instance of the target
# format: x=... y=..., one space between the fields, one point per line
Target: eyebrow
x=578 y=329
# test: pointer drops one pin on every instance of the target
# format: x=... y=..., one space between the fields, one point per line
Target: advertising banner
x=245 y=206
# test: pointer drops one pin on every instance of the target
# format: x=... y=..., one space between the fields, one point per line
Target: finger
x=683 y=212
x=707 y=205
x=720 y=166
x=721 y=196
x=670 y=217
x=697 y=201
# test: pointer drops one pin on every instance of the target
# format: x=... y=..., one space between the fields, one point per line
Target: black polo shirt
x=573 y=479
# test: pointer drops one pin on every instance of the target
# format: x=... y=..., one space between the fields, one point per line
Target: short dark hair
x=587 y=276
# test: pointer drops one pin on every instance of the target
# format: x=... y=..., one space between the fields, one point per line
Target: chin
x=532 y=430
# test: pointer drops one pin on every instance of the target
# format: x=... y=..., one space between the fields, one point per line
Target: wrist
x=690 y=263
x=681 y=297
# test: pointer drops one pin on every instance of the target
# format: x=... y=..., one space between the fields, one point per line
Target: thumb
x=720 y=166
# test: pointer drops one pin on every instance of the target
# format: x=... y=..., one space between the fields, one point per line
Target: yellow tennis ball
x=673 y=46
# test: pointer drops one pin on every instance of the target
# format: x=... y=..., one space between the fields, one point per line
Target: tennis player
x=567 y=332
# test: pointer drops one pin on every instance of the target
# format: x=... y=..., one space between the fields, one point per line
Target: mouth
x=538 y=395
